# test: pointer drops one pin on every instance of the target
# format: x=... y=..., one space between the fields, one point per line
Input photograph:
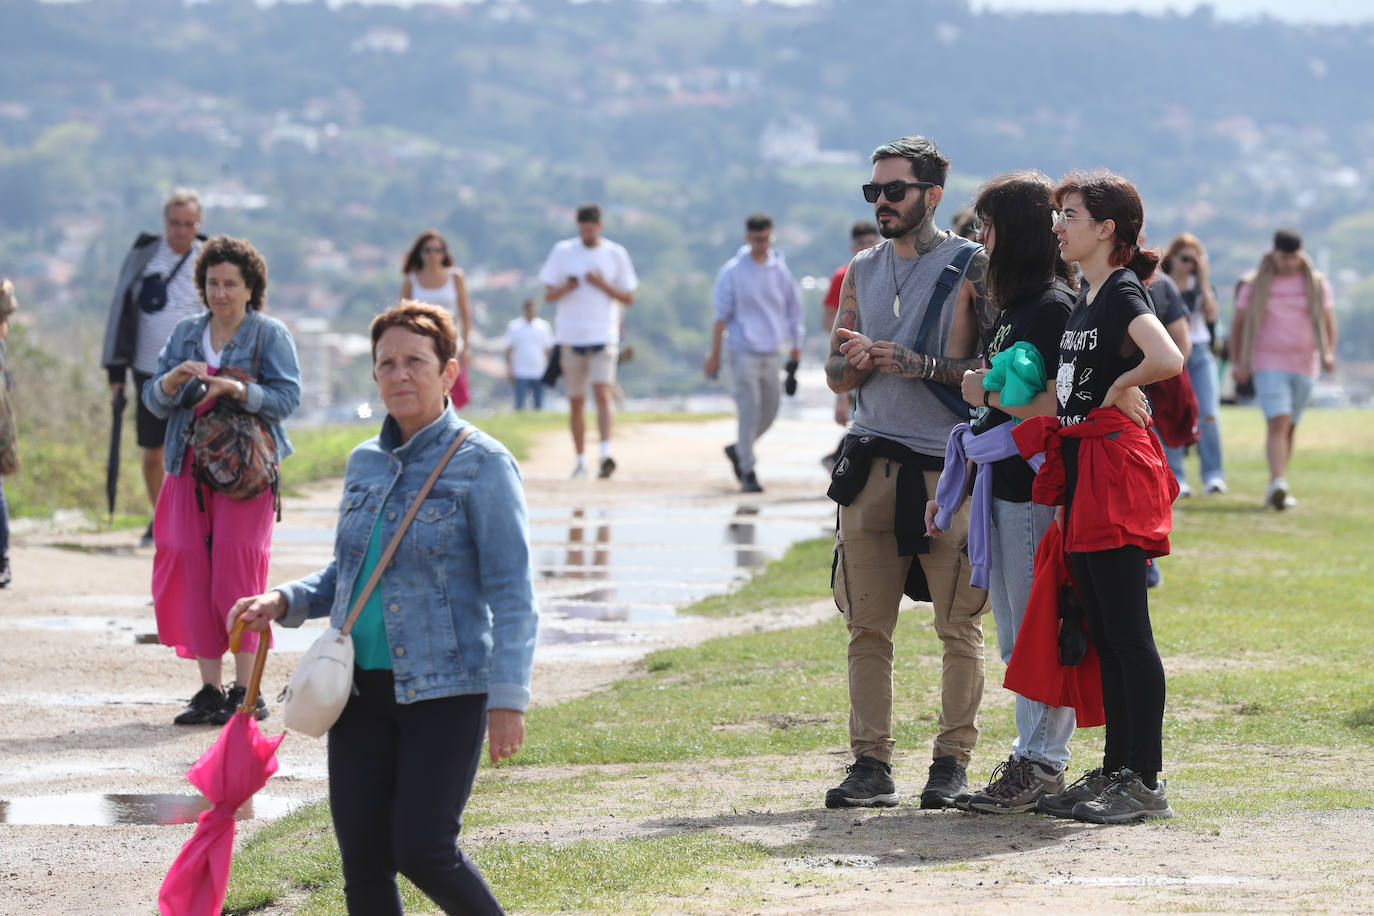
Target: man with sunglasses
x=155 y=290
x=911 y=309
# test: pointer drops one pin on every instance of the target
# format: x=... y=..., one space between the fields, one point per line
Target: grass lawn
x=1264 y=622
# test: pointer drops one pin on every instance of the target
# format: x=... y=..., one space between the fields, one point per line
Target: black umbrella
x=112 y=464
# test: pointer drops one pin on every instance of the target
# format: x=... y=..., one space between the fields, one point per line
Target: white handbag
x=323 y=679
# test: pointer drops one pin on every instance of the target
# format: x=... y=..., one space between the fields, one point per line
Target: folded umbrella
x=112 y=463
x=237 y=765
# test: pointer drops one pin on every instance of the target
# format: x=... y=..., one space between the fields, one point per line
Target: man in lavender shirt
x=759 y=309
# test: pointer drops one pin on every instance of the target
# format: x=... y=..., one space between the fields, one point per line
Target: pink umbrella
x=238 y=764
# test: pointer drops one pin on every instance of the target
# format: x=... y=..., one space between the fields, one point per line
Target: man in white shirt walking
x=591 y=279
x=528 y=341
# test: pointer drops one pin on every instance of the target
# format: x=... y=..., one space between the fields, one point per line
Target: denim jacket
x=458 y=595
x=275 y=394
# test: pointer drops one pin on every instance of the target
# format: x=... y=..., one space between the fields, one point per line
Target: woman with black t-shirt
x=1030 y=286
x=1117 y=485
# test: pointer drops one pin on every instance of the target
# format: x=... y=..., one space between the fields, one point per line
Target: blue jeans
x=529 y=387
x=1042 y=732
x=1202 y=371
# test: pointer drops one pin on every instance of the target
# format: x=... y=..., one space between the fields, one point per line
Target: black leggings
x=1112 y=586
x=399 y=776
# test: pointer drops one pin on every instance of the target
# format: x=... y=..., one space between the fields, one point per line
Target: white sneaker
x=1184 y=491
x=1215 y=485
x=1278 y=496
x=579 y=470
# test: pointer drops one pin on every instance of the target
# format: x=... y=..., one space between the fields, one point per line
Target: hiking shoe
x=734 y=461
x=147 y=539
x=207 y=702
x=607 y=467
x=750 y=484
x=233 y=699
x=1015 y=787
x=1215 y=485
x=868 y=785
x=1125 y=800
x=946 y=782
x=1085 y=789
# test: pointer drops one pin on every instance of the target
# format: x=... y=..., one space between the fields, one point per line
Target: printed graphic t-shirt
x=1037 y=319
x=1091 y=350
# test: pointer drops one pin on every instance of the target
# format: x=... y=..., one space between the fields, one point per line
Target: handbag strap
x=396 y=538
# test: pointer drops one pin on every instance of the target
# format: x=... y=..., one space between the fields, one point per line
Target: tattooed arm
x=973 y=321
x=849 y=362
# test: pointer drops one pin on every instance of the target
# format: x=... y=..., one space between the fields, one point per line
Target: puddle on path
x=108 y=810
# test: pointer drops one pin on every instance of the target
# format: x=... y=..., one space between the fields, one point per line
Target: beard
x=901 y=225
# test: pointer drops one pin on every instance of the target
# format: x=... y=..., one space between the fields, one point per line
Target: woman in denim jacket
x=211 y=548
x=443 y=647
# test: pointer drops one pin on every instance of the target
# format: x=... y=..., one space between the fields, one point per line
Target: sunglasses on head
x=894 y=191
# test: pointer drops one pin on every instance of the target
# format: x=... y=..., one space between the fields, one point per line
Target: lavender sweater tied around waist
x=983 y=450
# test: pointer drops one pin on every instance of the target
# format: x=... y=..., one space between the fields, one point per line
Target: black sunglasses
x=895 y=191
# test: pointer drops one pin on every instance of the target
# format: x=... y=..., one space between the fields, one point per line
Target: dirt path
x=86 y=712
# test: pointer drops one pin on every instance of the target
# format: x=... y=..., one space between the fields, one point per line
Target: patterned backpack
x=234 y=450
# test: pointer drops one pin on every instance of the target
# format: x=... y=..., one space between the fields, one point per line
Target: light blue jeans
x=1202 y=371
x=757 y=387
x=1042 y=732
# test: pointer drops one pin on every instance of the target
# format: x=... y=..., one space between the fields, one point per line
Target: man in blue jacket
x=759 y=309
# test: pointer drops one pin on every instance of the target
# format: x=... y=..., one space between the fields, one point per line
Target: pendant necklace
x=897 y=287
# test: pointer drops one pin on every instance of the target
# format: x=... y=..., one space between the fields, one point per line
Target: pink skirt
x=205 y=561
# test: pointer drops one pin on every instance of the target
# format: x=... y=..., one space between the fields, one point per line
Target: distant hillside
x=330 y=137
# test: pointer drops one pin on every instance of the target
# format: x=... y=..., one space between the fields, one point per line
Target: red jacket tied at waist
x=1125 y=490
x=1034 y=670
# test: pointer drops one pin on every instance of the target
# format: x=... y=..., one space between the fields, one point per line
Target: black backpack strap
x=950 y=278
x=168 y=281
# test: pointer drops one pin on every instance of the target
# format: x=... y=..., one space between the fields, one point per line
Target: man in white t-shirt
x=592 y=280
x=528 y=341
x=156 y=289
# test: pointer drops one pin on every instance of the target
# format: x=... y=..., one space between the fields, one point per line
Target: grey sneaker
x=1086 y=788
x=750 y=484
x=868 y=785
x=733 y=455
x=1125 y=800
x=1015 y=787
x=947 y=782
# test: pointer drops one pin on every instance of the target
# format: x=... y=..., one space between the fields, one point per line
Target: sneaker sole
x=886 y=800
x=991 y=806
x=932 y=801
x=1128 y=817
x=1279 y=499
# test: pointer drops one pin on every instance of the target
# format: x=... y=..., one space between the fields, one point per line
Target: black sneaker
x=750 y=484
x=200 y=709
x=607 y=467
x=734 y=460
x=947 y=782
x=232 y=701
x=147 y=539
x=5 y=577
x=868 y=785
x=1085 y=789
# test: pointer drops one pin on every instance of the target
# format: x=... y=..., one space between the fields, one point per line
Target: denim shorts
x=1280 y=392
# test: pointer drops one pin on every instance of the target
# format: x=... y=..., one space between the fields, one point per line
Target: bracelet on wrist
x=986 y=394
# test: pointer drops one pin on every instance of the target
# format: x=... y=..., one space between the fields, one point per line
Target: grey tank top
x=903 y=409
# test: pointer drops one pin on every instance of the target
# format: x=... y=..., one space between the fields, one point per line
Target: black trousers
x=399 y=776
x=1112 y=586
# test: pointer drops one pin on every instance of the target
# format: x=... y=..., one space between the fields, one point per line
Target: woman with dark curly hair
x=212 y=548
x=430 y=276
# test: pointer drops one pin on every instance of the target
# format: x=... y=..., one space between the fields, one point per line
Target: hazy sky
x=1325 y=11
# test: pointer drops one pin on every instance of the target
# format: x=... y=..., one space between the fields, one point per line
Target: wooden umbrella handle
x=250 y=696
